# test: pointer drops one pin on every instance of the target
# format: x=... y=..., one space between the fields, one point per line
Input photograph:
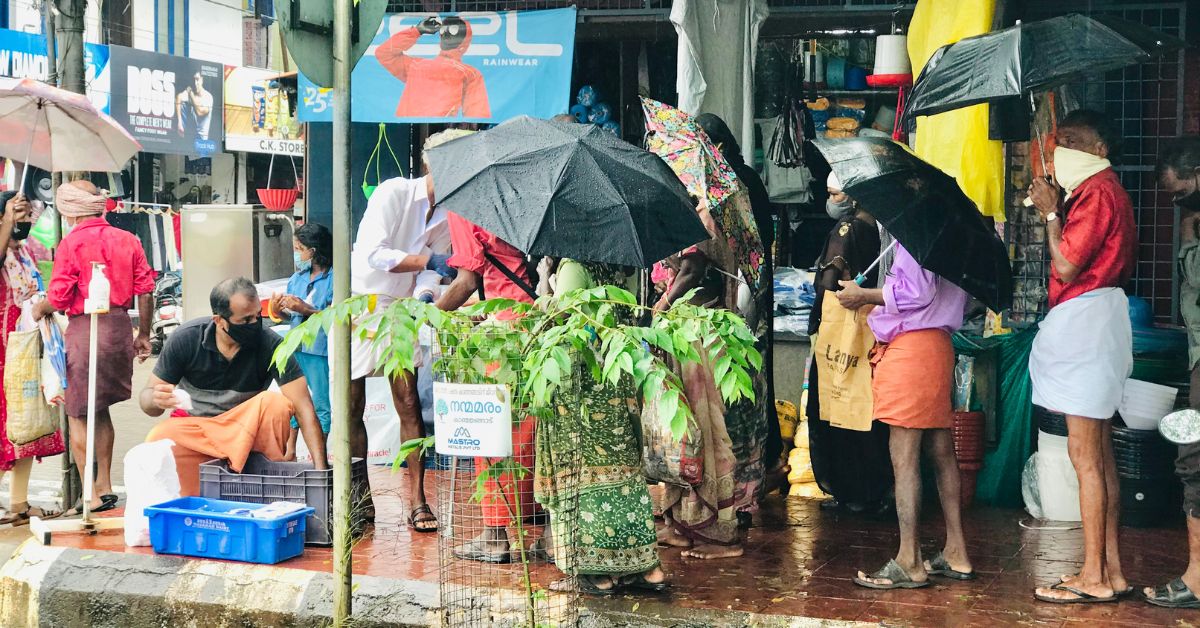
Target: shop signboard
x=447 y=67
x=472 y=420
x=260 y=115
x=170 y=104
x=23 y=55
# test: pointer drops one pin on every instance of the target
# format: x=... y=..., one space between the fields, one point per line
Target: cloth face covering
x=1073 y=167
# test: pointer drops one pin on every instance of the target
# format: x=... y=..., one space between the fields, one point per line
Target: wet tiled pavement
x=799 y=561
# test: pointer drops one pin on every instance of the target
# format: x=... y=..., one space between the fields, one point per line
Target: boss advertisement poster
x=458 y=67
x=260 y=112
x=170 y=104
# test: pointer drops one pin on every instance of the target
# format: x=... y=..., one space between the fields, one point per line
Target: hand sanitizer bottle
x=97 y=301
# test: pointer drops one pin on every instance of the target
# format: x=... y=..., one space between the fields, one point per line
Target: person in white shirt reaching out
x=401 y=251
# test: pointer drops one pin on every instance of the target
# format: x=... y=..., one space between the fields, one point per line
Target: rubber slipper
x=19 y=519
x=422 y=514
x=475 y=550
x=894 y=572
x=640 y=583
x=1174 y=594
x=585 y=584
x=1082 y=597
x=939 y=566
x=1126 y=592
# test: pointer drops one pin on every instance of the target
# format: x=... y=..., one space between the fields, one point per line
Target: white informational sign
x=383 y=425
x=472 y=419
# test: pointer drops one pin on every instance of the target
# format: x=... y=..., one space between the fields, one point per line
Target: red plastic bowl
x=278 y=199
x=890 y=80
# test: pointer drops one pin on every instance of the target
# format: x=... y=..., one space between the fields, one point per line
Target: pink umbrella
x=58 y=130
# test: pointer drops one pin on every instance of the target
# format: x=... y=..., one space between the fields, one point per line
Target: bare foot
x=668 y=537
x=654 y=576
x=1119 y=584
x=709 y=552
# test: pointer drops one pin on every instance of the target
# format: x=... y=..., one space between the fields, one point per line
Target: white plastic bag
x=150 y=479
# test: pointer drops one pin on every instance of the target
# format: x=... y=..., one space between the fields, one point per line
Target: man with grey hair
x=401 y=251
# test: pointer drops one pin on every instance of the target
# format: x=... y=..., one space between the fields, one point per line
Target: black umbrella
x=567 y=190
x=927 y=212
x=1013 y=62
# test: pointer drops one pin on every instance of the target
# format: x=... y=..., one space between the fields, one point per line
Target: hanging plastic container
x=368 y=188
x=279 y=199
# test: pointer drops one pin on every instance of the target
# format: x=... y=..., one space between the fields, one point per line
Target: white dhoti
x=1082 y=355
x=367 y=357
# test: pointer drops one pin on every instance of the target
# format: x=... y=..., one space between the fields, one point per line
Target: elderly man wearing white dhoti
x=401 y=251
x=1083 y=352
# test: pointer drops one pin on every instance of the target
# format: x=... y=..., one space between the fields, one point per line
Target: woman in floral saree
x=589 y=460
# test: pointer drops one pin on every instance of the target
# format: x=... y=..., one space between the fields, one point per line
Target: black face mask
x=21 y=230
x=1191 y=201
x=246 y=334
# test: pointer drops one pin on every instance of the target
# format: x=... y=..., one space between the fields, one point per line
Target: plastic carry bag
x=150 y=478
x=665 y=459
x=29 y=416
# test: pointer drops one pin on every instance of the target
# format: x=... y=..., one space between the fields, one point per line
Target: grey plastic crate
x=262 y=482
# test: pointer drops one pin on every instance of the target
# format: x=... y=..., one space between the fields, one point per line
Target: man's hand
x=16 y=210
x=440 y=265
x=853 y=296
x=42 y=309
x=1045 y=196
x=164 y=397
x=429 y=26
x=142 y=345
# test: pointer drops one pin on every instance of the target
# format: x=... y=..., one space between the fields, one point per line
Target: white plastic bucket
x=1058 y=486
x=1144 y=404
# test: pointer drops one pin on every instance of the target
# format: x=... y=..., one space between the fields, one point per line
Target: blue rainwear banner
x=23 y=55
x=458 y=67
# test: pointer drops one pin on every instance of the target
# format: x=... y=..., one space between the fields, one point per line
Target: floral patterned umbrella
x=674 y=136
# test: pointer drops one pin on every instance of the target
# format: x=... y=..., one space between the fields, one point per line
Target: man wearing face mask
x=213 y=377
x=92 y=239
x=1179 y=175
x=1083 y=352
x=850 y=461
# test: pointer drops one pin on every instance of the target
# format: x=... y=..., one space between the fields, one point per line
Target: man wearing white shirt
x=401 y=251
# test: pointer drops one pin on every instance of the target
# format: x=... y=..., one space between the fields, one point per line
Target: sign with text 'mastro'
x=170 y=104
x=472 y=420
x=23 y=55
x=458 y=67
x=260 y=117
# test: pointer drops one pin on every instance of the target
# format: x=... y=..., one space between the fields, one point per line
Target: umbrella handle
x=28 y=151
x=862 y=277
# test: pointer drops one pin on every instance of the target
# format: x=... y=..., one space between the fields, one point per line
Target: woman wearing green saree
x=597 y=423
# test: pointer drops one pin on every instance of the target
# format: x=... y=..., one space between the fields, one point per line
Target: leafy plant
x=536 y=351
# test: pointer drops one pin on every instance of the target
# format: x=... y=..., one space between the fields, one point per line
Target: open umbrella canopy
x=566 y=190
x=58 y=130
x=674 y=135
x=927 y=212
x=1017 y=60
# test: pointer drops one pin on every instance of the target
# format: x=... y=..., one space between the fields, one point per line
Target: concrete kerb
x=67 y=587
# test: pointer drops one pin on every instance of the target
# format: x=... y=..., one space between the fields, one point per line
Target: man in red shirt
x=478 y=256
x=1083 y=352
x=92 y=240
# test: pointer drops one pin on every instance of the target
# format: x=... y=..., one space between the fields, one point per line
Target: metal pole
x=339 y=438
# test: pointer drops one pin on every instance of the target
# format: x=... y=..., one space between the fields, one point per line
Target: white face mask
x=1073 y=167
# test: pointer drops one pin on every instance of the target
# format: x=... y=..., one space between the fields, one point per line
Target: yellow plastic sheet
x=957 y=141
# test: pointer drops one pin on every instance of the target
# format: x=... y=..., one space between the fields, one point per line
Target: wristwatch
x=1051 y=217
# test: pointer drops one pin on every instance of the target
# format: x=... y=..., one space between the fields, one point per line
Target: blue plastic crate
x=198 y=526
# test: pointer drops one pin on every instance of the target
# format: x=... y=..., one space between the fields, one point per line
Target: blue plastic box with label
x=213 y=528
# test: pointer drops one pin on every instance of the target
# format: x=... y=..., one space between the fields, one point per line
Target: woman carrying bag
x=25 y=414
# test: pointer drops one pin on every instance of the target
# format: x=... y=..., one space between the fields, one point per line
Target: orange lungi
x=912 y=378
x=260 y=424
x=499 y=509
